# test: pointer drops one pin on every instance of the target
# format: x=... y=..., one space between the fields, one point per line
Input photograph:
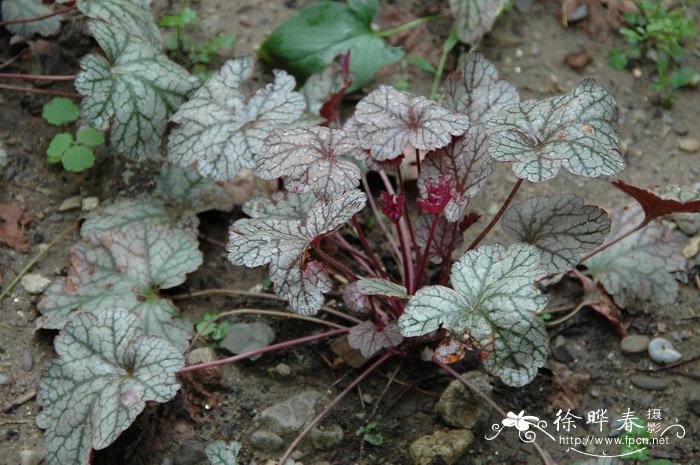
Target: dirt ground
x=587 y=369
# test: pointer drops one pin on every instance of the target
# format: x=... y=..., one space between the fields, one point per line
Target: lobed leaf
x=282 y=205
x=134 y=16
x=313 y=159
x=561 y=227
x=283 y=243
x=222 y=453
x=474 y=18
x=577 y=131
x=188 y=189
x=369 y=339
x=671 y=199
x=132 y=92
x=491 y=307
x=60 y=111
x=475 y=89
x=467 y=161
x=219 y=132
x=106 y=371
x=639 y=267
x=323 y=91
x=355 y=300
x=389 y=121
x=25 y=9
x=126 y=268
x=383 y=287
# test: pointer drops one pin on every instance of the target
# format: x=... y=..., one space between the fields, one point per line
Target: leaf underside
x=25 y=9
x=378 y=286
x=220 y=132
x=369 y=340
x=474 y=18
x=491 y=307
x=576 y=131
x=561 y=227
x=106 y=371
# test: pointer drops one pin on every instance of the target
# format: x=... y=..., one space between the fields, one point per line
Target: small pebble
x=692 y=248
x=634 y=343
x=367 y=399
x=34 y=283
x=649 y=382
x=27 y=361
x=30 y=457
x=283 y=369
x=579 y=13
x=689 y=144
x=90 y=203
x=71 y=203
x=3 y=379
x=680 y=130
x=661 y=351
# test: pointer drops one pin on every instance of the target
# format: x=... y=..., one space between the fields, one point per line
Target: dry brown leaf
x=14 y=219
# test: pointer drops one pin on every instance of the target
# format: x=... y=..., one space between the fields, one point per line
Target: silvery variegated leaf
x=313 y=159
x=383 y=287
x=282 y=205
x=492 y=307
x=126 y=268
x=223 y=453
x=284 y=243
x=474 y=18
x=219 y=132
x=355 y=300
x=124 y=213
x=132 y=92
x=446 y=238
x=25 y=9
x=467 y=161
x=324 y=85
x=369 y=340
x=562 y=227
x=689 y=223
x=474 y=89
x=389 y=121
x=134 y=16
x=577 y=131
x=186 y=188
x=106 y=371
x=639 y=267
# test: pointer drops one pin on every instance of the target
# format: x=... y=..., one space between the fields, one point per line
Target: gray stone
x=30 y=457
x=264 y=440
x=441 y=447
x=662 y=351
x=634 y=344
x=71 y=203
x=325 y=438
x=201 y=355
x=89 y=204
x=288 y=417
x=680 y=130
x=27 y=361
x=246 y=337
x=689 y=144
x=190 y=454
x=460 y=408
x=34 y=283
x=649 y=382
x=4 y=379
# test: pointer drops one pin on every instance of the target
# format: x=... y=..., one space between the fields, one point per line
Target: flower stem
x=423 y=263
x=362 y=261
x=38 y=18
x=375 y=211
x=37 y=77
x=264 y=350
x=614 y=241
x=498 y=216
x=368 y=249
x=333 y=403
x=32 y=90
x=336 y=264
x=447 y=47
x=407 y=26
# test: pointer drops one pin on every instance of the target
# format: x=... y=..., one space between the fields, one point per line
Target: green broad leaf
x=186 y=16
x=60 y=111
x=683 y=76
x=90 y=137
x=561 y=227
x=640 y=266
x=310 y=41
x=134 y=16
x=106 y=371
x=78 y=158
x=421 y=63
x=576 y=131
x=220 y=132
x=25 y=9
x=377 y=286
x=126 y=268
x=617 y=59
x=132 y=92
x=185 y=187
x=222 y=453
x=474 y=18
x=491 y=307
x=58 y=145
x=283 y=243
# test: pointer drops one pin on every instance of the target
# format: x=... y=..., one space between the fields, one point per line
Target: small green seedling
x=369 y=434
x=661 y=36
x=75 y=154
x=214 y=330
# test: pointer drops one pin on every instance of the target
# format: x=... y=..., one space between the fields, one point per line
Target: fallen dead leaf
x=14 y=219
x=578 y=60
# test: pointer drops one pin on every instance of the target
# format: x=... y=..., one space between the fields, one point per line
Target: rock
x=680 y=130
x=4 y=379
x=71 y=203
x=579 y=13
x=264 y=440
x=201 y=355
x=245 y=337
x=689 y=144
x=283 y=370
x=35 y=283
x=30 y=457
x=649 y=382
x=662 y=352
x=634 y=344
x=692 y=248
x=460 y=408
x=694 y=400
x=90 y=203
x=441 y=447
x=27 y=361
x=189 y=454
x=288 y=417
x=325 y=438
